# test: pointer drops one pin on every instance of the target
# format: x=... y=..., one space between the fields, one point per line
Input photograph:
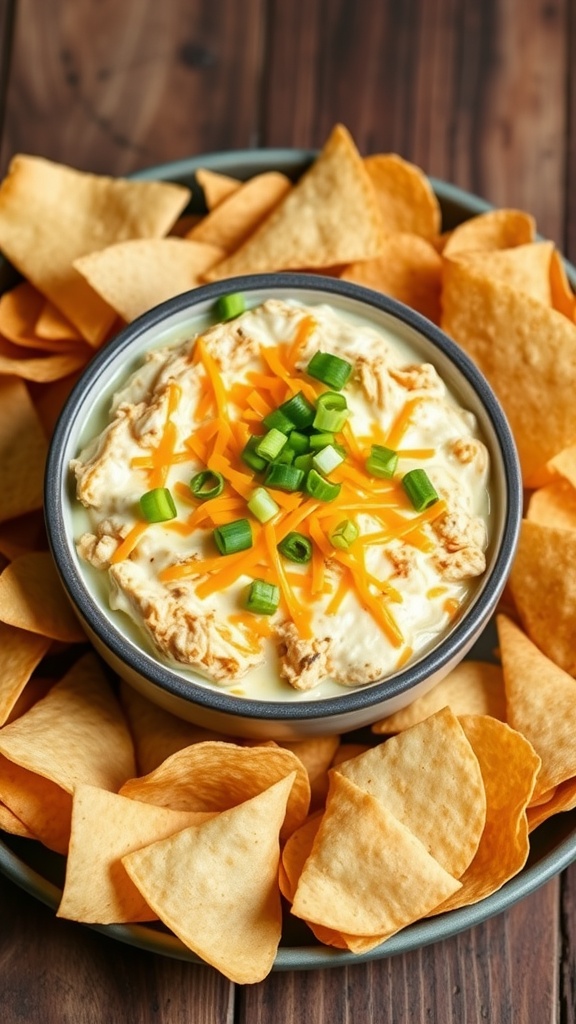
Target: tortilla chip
x=564 y=463
x=240 y=213
x=316 y=754
x=562 y=798
x=541 y=704
x=50 y=398
x=106 y=827
x=295 y=854
x=20 y=308
x=136 y=275
x=10 y=823
x=21 y=464
x=20 y=653
x=330 y=217
x=41 y=368
x=428 y=777
x=26 y=533
x=405 y=196
x=53 y=326
x=216 y=186
x=554 y=505
x=36 y=688
x=472 y=688
x=525 y=349
x=544 y=591
x=215 y=776
x=41 y=201
x=509 y=767
x=563 y=298
x=409 y=270
x=487 y=232
x=32 y=598
x=355 y=880
x=216 y=885
x=526 y=268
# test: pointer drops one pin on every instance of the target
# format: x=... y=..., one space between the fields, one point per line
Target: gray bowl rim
x=459 y=638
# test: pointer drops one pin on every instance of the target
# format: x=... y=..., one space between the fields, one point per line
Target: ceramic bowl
x=114 y=635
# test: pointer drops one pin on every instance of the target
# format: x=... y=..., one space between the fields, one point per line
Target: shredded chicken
x=419 y=377
x=403 y=559
x=470 y=449
x=463 y=538
x=461 y=564
x=373 y=376
x=303 y=663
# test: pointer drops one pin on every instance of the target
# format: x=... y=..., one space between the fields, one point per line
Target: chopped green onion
x=285 y=478
x=232 y=537
x=299 y=410
x=230 y=306
x=298 y=442
x=326 y=460
x=317 y=487
x=250 y=456
x=419 y=489
x=318 y=441
x=262 y=598
x=262 y=505
x=207 y=485
x=382 y=462
x=331 y=412
x=286 y=456
x=296 y=548
x=331 y=370
x=270 y=446
x=279 y=420
x=157 y=505
x=344 y=534
x=304 y=461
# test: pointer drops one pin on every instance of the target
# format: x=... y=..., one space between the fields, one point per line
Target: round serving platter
x=553 y=845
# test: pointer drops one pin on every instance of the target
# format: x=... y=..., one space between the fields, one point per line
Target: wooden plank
x=75 y=975
x=112 y=87
x=503 y=970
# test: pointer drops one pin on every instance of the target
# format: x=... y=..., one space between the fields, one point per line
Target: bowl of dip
x=282 y=505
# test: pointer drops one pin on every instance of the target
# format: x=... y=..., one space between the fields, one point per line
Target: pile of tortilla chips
x=217 y=837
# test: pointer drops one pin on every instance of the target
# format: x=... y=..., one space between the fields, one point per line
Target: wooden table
x=482 y=94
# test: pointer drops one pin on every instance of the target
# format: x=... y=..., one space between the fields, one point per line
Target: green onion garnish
x=270 y=446
x=317 y=487
x=344 y=534
x=326 y=460
x=285 y=478
x=207 y=485
x=304 y=461
x=298 y=442
x=232 y=537
x=296 y=548
x=331 y=412
x=318 y=441
x=157 y=506
x=419 y=489
x=382 y=462
x=287 y=456
x=230 y=306
x=279 y=420
x=250 y=456
x=331 y=370
x=299 y=410
x=262 y=505
x=262 y=598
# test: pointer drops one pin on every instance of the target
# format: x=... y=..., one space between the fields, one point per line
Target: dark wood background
x=479 y=92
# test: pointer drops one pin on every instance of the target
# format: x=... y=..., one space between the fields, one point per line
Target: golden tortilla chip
x=554 y=505
x=36 y=688
x=405 y=196
x=216 y=885
x=50 y=399
x=23 y=534
x=53 y=326
x=10 y=823
x=295 y=852
x=20 y=308
x=495 y=229
x=41 y=202
x=525 y=349
x=526 y=268
x=564 y=463
x=544 y=590
x=563 y=298
x=409 y=270
x=355 y=880
x=20 y=653
x=216 y=186
x=41 y=368
x=136 y=275
x=215 y=776
x=509 y=767
x=21 y=464
x=32 y=598
x=330 y=217
x=541 y=704
x=106 y=827
x=472 y=688
x=428 y=777
x=240 y=213
x=561 y=798
x=316 y=754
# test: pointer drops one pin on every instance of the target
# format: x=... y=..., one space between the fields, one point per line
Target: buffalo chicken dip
x=288 y=502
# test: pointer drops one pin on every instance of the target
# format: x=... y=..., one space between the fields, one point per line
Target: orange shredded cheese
x=129 y=543
x=162 y=455
x=300 y=616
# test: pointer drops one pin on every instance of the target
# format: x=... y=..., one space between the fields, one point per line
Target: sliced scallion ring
x=206 y=485
x=251 y=457
x=279 y=420
x=262 y=597
x=284 y=477
x=262 y=505
x=230 y=306
x=330 y=369
x=299 y=410
x=382 y=462
x=270 y=446
x=157 y=505
x=419 y=489
x=232 y=537
x=331 y=412
x=317 y=487
x=344 y=534
x=296 y=548
x=327 y=459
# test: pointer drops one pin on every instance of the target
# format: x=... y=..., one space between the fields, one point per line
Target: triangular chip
x=561 y=798
x=21 y=464
x=317 y=754
x=541 y=704
x=53 y=325
x=487 y=232
x=32 y=598
x=331 y=216
x=544 y=590
x=215 y=186
x=554 y=505
x=97 y=889
x=240 y=213
x=41 y=368
x=20 y=653
x=41 y=201
x=134 y=276
x=472 y=688
x=526 y=268
x=405 y=196
x=429 y=778
x=409 y=269
x=525 y=349
x=216 y=885
x=563 y=297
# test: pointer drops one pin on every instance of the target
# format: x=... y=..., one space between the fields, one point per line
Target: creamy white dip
x=162 y=428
